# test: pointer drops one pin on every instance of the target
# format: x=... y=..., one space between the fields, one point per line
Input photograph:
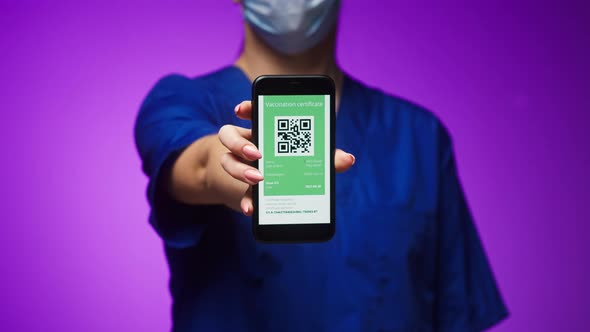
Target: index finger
x=244 y=110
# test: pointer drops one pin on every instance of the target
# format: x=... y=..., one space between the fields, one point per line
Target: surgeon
x=406 y=255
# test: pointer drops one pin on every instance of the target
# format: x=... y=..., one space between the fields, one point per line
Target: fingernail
x=237 y=109
x=251 y=151
x=253 y=175
x=247 y=210
x=353 y=158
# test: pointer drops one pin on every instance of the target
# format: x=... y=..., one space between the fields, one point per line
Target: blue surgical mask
x=291 y=26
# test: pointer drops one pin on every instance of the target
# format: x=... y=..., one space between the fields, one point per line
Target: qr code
x=294 y=136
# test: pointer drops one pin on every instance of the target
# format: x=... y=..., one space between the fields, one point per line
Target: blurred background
x=509 y=80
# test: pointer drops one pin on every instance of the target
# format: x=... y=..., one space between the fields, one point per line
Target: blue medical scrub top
x=406 y=255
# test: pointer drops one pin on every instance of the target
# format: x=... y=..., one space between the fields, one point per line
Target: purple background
x=509 y=81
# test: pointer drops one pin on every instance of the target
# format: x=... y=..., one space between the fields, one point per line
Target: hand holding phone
x=235 y=162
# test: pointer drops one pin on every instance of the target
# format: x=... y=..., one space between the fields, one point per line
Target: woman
x=406 y=255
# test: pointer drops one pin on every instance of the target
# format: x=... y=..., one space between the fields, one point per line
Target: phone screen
x=294 y=131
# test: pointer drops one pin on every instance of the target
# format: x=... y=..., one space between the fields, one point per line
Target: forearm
x=197 y=177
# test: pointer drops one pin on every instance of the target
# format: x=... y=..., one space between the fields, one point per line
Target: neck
x=257 y=59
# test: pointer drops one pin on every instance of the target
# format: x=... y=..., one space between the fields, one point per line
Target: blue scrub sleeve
x=468 y=299
x=175 y=114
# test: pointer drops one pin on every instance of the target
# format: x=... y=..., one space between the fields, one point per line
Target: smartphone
x=293 y=122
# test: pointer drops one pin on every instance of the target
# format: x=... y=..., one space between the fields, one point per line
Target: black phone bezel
x=294 y=85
